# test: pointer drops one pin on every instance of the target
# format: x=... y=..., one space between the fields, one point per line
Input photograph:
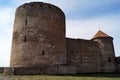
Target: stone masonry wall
x=39 y=36
x=1 y=69
x=107 y=54
x=117 y=64
x=43 y=69
x=84 y=54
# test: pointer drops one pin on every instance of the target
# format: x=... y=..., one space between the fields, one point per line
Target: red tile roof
x=100 y=34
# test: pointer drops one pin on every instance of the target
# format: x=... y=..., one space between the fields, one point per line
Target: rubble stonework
x=38 y=36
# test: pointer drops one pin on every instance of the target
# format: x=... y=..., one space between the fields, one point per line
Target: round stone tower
x=38 y=36
x=107 y=51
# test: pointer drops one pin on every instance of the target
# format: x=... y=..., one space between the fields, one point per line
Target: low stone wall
x=1 y=69
x=45 y=69
x=8 y=71
x=118 y=68
x=117 y=64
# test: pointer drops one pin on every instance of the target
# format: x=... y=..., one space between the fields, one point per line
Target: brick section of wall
x=84 y=54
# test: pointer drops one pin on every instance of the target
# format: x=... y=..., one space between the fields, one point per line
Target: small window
x=25 y=22
x=48 y=6
x=25 y=39
x=24 y=6
x=32 y=5
x=41 y=5
x=109 y=60
x=43 y=53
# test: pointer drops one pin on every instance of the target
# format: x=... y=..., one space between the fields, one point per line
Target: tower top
x=101 y=34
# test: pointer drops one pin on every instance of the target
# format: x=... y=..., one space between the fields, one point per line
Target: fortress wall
x=1 y=69
x=84 y=54
x=43 y=69
x=38 y=36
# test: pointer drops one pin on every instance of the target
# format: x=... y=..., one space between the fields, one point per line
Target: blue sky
x=83 y=19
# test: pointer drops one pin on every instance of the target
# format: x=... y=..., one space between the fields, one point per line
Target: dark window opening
x=23 y=6
x=32 y=5
x=49 y=6
x=109 y=60
x=25 y=22
x=41 y=5
x=43 y=53
x=25 y=39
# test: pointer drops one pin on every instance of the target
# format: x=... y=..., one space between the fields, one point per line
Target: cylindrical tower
x=38 y=36
x=107 y=51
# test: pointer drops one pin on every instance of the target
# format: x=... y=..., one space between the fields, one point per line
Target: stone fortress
x=39 y=45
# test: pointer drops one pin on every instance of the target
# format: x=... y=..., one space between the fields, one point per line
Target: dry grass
x=100 y=76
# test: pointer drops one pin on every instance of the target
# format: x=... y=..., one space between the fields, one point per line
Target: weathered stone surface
x=39 y=36
x=117 y=64
x=9 y=70
x=84 y=54
x=44 y=69
x=107 y=56
x=67 y=70
x=1 y=69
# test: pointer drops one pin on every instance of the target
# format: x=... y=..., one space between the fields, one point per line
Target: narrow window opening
x=41 y=5
x=23 y=6
x=49 y=6
x=25 y=39
x=31 y=5
x=109 y=60
x=25 y=22
x=43 y=53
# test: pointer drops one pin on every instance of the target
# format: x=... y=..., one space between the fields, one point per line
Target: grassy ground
x=100 y=76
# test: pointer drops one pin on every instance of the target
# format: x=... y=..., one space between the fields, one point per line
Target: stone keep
x=38 y=36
